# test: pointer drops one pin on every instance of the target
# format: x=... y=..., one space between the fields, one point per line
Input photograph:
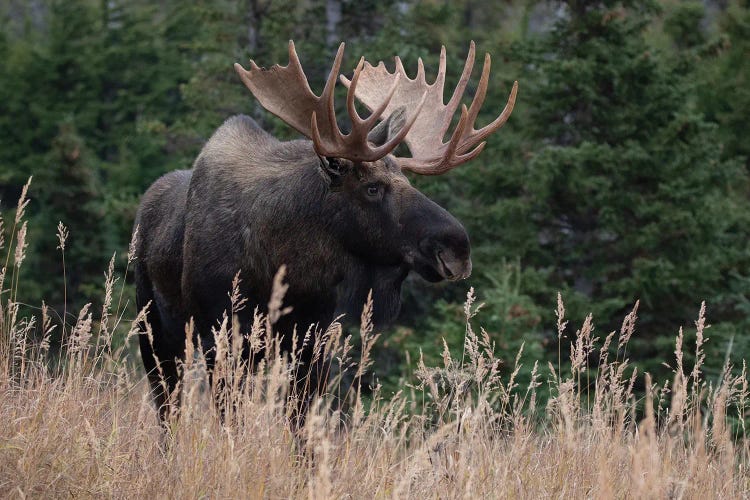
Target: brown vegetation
x=84 y=427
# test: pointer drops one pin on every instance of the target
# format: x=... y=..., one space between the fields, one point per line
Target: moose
x=336 y=209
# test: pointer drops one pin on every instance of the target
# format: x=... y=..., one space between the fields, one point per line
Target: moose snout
x=452 y=267
x=450 y=253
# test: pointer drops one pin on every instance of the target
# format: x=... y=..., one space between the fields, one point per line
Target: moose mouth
x=453 y=269
x=439 y=266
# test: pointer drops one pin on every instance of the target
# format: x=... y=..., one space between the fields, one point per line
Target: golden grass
x=86 y=428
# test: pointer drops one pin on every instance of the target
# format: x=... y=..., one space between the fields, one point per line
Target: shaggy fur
x=252 y=204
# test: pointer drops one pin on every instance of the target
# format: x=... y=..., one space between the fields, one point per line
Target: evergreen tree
x=725 y=92
x=619 y=176
x=69 y=191
x=634 y=200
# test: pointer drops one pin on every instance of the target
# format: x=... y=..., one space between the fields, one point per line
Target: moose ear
x=388 y=128
x=333 y=170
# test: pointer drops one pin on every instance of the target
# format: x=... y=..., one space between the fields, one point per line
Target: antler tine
x=476 y=103
x=458 y=93
x=460 y=127
x=382 y=92
x=440 y=78
x=440 y=165
x=474 y=136
x=359 y=124
x=399 y=66
x=369 y=122
x=327 y=95
x=430 y=155
x=359 y=128
x=329 y=147
x=350 y=108
x=420 y=71
x=293 y=63
x=401 y=135
x=285 y=92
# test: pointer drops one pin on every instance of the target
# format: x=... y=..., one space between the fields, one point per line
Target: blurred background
x=622 y=174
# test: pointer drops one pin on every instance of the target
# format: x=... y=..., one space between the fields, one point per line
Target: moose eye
x=373 y=190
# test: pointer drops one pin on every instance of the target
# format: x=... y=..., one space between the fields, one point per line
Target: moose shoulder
x=336 y=210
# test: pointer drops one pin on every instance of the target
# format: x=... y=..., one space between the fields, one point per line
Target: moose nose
x=450 y=251
x=451 y=267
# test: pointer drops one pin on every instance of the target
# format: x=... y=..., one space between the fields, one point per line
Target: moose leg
x=163 y=379
x=217 y=385
x=308 y=384
x=161 y=350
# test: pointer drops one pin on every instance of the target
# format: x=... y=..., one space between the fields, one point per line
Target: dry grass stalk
x=464 y=429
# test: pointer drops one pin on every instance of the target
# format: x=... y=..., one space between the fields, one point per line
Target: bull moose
x=336 y=209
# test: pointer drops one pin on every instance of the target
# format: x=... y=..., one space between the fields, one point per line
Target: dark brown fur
x=252 y=204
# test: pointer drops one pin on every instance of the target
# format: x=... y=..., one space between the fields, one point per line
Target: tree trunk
x=333 y=18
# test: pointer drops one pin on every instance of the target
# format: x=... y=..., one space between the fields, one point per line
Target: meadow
x=613 y=202
x=77 y=420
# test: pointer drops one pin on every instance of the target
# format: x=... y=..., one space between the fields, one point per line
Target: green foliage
x=502 y=311
x=724 y=73
x=72 y=193
x=636 y=199
x=683 y=25
x=621 y=176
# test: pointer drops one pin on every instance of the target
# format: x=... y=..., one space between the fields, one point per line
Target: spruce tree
x=725 y=73
x=70 y=191
x=633 y=199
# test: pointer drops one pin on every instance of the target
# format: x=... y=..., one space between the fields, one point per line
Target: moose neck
x=270 y=198
x=327 y=238
x=355 y=275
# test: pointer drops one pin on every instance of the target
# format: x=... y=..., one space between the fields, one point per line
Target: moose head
x=377 y=212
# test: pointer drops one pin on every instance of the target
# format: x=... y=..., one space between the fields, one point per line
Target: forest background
x=622 y=175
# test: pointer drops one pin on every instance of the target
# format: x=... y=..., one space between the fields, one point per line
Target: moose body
x=342 y=217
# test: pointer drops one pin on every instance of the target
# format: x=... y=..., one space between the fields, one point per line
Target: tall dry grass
x=84 y=426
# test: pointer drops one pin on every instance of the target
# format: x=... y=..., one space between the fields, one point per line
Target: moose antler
x=430 y=155
x=285 y=92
